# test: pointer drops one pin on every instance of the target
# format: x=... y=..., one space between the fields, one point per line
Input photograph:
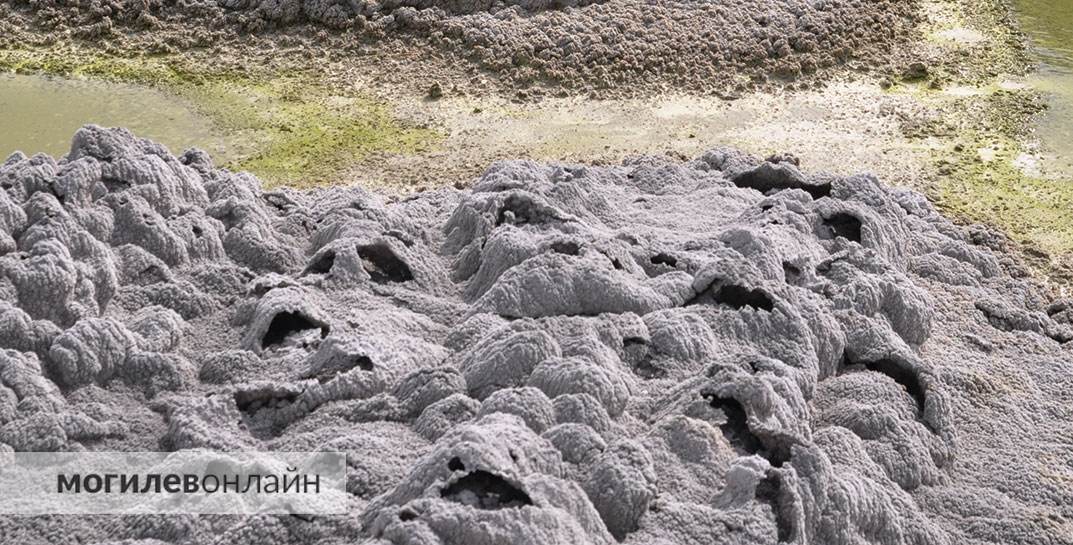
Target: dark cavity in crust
x=483 y=490
x=383 y=265
x=735 y=297
x=286 y=324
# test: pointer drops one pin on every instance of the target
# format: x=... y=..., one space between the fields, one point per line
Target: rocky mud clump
x=575 y=43
x=724 y=350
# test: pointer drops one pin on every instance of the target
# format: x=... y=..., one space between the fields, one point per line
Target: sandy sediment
x=718 y=350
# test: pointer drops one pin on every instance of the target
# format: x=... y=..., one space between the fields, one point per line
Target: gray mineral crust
x=720 y=351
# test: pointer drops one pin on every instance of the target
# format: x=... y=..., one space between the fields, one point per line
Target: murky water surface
x=1050 y=25
x=40 y=114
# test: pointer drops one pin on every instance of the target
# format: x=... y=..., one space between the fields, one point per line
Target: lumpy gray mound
x=578 y=43
x=724 y=350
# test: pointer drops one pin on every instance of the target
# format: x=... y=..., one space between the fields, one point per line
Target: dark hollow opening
x=664 y=259
x=351 y=363
x=764 y=180
x=754 y=365
x=286 y=324
x=251 y=402
x=844 y=225
x=736 y=428
x=768 y=491
x=566 y=248
x=383 y=265
x=818 y=191
x=791 y=272
x=739 y=297
x=484 y=490
x=455 y=464
x=518 y=211
x=323 y=264
x=903 y=375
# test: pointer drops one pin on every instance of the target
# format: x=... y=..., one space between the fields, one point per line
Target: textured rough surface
x=724 y=350
x=595 y=44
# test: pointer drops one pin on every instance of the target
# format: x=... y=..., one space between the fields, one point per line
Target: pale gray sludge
x=724 y=350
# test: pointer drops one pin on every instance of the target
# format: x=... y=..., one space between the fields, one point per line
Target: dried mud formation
x=719 y=351
x=576 y=43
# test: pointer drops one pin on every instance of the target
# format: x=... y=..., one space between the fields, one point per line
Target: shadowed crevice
x=736 y=428
x=322 y=264
x=250 y=402
x=664 y=259
x=383 y=265
x=483 y=490
x=349 y=364
x=844 y=225
x=767 y=177
x=903 y=375
x=566 y=248
x=769 y=492
x=734 y=296
x=739 y=297
x=286 y=324
x=901 y=372
x=517 y=210
x=737 y=432
x=792 y=273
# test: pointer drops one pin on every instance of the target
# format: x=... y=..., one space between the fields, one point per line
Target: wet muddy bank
x=530 y=48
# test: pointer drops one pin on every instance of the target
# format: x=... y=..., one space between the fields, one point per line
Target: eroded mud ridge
x=577 y=43
x=719 y=351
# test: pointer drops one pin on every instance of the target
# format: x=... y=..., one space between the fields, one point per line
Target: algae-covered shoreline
x=986 y=157
x=299 y=131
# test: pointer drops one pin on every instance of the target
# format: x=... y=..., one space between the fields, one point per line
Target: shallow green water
x=40 y=114
x=1049 y=23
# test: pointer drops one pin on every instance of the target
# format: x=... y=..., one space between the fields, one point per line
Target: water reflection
x=1049 y=23
x=40 y=114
